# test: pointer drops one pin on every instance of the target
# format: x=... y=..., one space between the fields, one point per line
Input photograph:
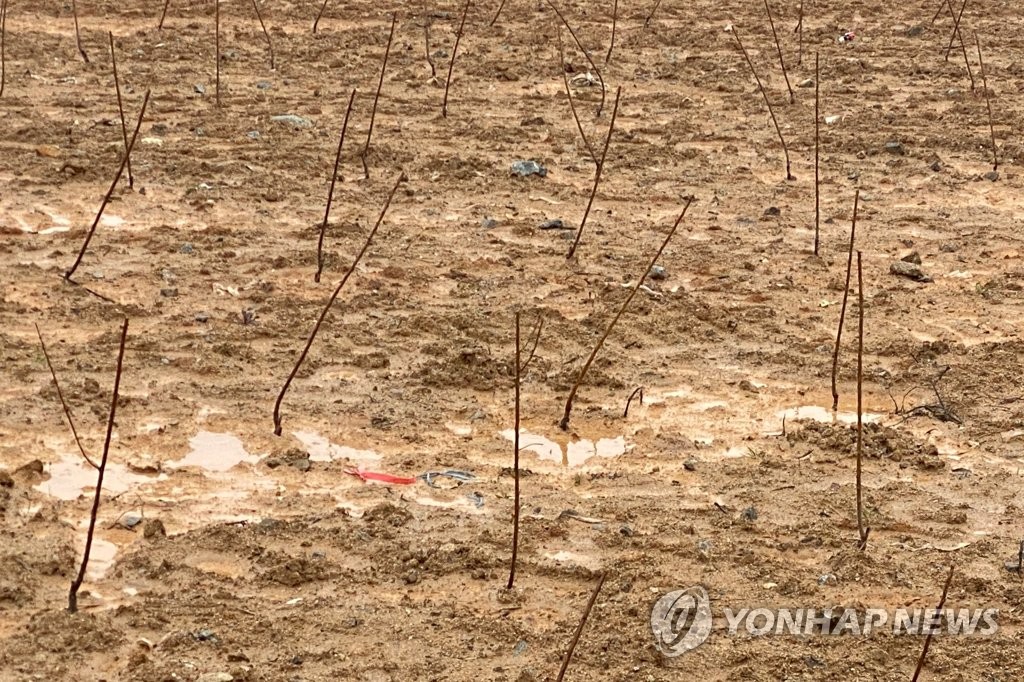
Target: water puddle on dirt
x=101 y=558
x=576 y=452
x=214 y=452
x=821 y=414
x=71 y=477
x=320 y=449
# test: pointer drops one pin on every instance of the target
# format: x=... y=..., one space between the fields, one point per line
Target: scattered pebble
x=895 y=147
x=750 y=514
x=264 y=85
x=199 y=89
x=202 y=318
x=991 y=176
x=772 y=212
x=806 y=83
x=50 y=151
x=488 y=223
x=659 y=273
x=169 y=292
x=704 y=549
x=130 y=520
x=912 y=257
x=690 y=464
x=831 y=120
x=827 y=579
x=292 y=120
x=936 y=165
x=948 y=247
x=253 y=134
x=748 y=386
x=555 y=224
x=527 y=168
x=910 y=271
x=154 y=528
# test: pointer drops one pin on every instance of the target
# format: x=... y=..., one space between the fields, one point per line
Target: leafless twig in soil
x=497 y=14
x=586 y=54
x=330 y=192
x=615 y=20
x=63 y=403
x=216 y=36
x=110 y=192
x=785 y=149
x=77 y=583
x=266 y=33
x=597 y=175
x=451 y=64
x=316 y=21
x=426 y=41
x=842 y=310
x=316 y=328
x=564 y=423
x=778 y=48
x=963 y=49
x=3 y=45
x=533 y=345
x=78 y=36
x=163 y=15
x=376 y=97
x=638 y=391
x=120 y=109
x=862 y=530
x=579 y=628
x=568 y=93
x=817 y=148
x=799 y=30
x=988 y=103
x=515 y=463
x=650 y=15
x=956 y=29
x=931 y=630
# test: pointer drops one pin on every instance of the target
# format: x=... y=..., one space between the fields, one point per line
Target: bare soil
x=260 y=558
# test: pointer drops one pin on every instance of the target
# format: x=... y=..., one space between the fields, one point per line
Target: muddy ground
x=224 y=552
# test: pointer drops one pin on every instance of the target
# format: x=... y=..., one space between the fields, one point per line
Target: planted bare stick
x=376 y=98
x=110 y=192
x=817 y=148
x=266 y=34
x=515 y=464
x=451 y=64
x=586 y=54
x=931 y=630
x=216 y=33
x=842 y=310
x=638 y=391
x=316 y=328
x=579 y=628
x=778 y=48
x=956 y=29
x=597 y=176
x=426 y=41
x=942 y=6
x=564 y=423
x=77 y=583
x=330 y=192
x=615 y=19
x=163 y=15
x=568 y=93
x=963 y=49
x=78 y=35
x=862 y=529
x=650 y=15
x=988 y=103
x=120 y=109
x=63 y=403
x=497 y=14
x=319 y=14
x=533 y=345
x=3 y=45
x=799 y=30
x=785 y=149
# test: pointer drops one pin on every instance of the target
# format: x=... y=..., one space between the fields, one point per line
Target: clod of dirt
x=154 y=528
x=910 y=271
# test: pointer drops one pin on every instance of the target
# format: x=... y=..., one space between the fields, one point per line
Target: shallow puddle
x=821 y=414
x=71 y=477
x=320 y=449
x=214 y=452
x=576 y=452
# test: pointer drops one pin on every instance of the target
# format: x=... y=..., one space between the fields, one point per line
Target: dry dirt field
x=224 y=552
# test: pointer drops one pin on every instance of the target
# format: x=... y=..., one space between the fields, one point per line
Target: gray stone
x=895 y=147
x=555 y=224
x=526 y=168
x=909 y=270
x=488 y=223
x=199 y=89
x=659 y=273
x=292 y=120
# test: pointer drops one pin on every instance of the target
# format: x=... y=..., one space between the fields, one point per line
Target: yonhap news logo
x=682 y=620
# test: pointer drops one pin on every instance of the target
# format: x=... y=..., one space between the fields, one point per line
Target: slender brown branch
x=597 y=176
x=266 y=33
x=497 y=14
x=515 y=464
x=586 y=54
x=451 y=64
x=216 y=33
x=120 y=109
x=163 y=15
x=988 y=103
x=615 y=19
x=330 y=192
x=110 y=192
x=319 y=14
x=931 y=630
x=77 y=583
x=3 y=45
x=579 y=628
x=376 y=98
x=956 y=29
x=638 y=391
x=862 y=531
x=533 y=346
x=817 y=148
x=426 y=41
x=650 y=15
x=564 y=423
x=963 y=48
x=942 y=6
x=799 y=30
x=842 y=310
x=63 y=403
x=785 y=149
x=568 y=93
x=778 y=48
x=78 y=36
x=316 y=328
